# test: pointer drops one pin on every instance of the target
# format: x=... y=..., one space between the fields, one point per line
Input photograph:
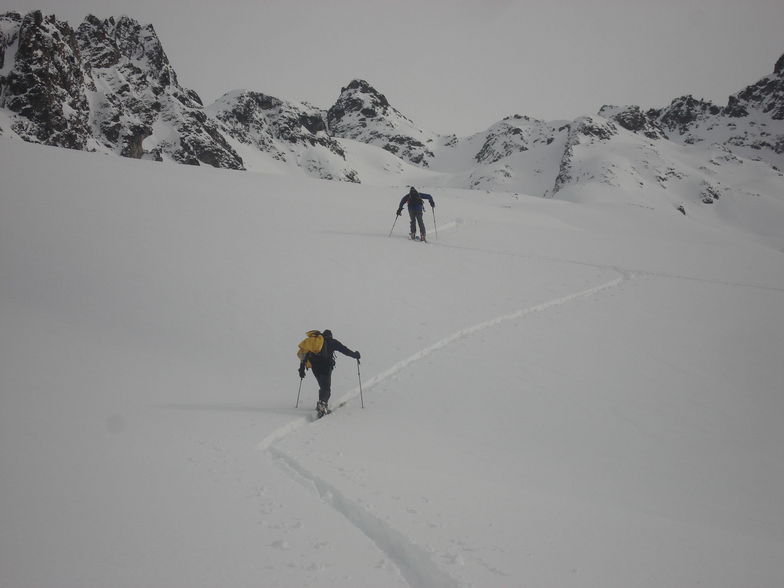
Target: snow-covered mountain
x=108 y=86
x=292 y=134
x=364 y=114
x=751 y=125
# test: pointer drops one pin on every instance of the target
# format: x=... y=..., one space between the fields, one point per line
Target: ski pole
x=361 y=399
x=435 y=226
x=393 y=225
x=298 y=392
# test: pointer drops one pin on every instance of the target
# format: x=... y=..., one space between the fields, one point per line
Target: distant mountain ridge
x=108 y=86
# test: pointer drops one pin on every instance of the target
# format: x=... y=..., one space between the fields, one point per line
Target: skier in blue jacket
x=416 y=207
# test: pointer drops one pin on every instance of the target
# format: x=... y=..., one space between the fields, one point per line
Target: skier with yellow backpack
x=317 y=352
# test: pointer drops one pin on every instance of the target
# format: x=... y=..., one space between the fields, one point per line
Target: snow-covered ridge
x=108 y=86
x=293 y=134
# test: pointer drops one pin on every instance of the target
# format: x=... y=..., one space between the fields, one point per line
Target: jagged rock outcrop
x=514 y=134
x=291 y=133
x=682 y=114
x=750 y=125
x=632 y=118
x=766 y=96
x=107 y=86
x=138 y=97
x=364 y=114
x=45 y=86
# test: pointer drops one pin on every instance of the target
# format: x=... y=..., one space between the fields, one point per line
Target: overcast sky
x=458 y=66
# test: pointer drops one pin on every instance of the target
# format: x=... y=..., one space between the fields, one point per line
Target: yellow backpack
x=313 y=343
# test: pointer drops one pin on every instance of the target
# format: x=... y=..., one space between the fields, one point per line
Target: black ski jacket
x=326 y=359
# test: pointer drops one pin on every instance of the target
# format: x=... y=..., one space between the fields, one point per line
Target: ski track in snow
x=422 y=354
x=467 y=332
x=414 y=563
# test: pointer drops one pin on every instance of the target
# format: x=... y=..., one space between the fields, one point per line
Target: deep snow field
x=557 y=394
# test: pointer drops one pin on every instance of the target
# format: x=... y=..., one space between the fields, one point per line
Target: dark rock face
x=765 y=96
x=46 y=87
x=364 y=114
x=358 y=97
x=122 y=119
x=295 y=133
x=595 y=129
x=104 y=87
x=250 y=113
x=137 y=88
x=633 y=119
x=682 y=113
x=747 y=125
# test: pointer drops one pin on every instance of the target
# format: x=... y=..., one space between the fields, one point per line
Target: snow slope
x=556 y=394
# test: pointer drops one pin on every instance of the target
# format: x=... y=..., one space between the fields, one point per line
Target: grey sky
x=460 y=65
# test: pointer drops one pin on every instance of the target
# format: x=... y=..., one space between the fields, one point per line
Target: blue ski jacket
x=416 y=204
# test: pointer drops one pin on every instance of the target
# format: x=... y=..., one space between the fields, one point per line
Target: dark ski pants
x=416 y=218
x=324 y=379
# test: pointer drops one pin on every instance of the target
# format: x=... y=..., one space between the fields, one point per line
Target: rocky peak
x=364 y=114
x=256 y=118
x=134 y=48
x=361 y=99
x=45 y=85
x=766 y=96
x=292 y=133
x=109 y=86
x=779 y=67
x=747 y=126
x=633 y=119
x=105 y=43
x=513 y=134
x=683 y=112
x=592 y=129
x=105 y=86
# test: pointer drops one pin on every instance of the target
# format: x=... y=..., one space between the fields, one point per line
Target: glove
x=356 y=355
x=399 y=211
x=301 y=371
x=432 y=205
